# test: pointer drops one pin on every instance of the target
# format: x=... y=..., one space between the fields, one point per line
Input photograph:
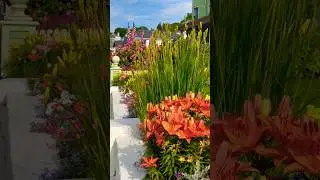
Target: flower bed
x=176 y=134
x=60 y=79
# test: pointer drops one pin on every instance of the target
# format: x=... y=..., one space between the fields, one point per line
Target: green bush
x=311 y=52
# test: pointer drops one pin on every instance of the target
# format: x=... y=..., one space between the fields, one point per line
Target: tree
x=159 y=27
x=186 y=18
x=121 y=31
x=142 y=28
x=41 y=8
x=174 y=26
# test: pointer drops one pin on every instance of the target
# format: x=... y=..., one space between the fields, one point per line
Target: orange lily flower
x=171 y=128
x=152 y=127
x=244 y=132
x=226 y=166
x=184 y=134
x=186 y=104
x=148 y=162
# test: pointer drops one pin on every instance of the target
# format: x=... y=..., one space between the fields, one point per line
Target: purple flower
x=179 y=175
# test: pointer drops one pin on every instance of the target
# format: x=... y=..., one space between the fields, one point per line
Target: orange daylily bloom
x=171 y=128
x=226 y=166
x=186 y=104
x=177 y=117
x=202 y=128
x=184 y=134
x=148 y=162
x=151 y=127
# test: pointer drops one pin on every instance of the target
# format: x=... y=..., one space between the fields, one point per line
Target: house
x=115 y=40
x=200 y=9
x=201 y=14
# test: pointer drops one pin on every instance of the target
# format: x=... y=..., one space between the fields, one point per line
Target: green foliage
x=172 y=27
x=186 y=18
x=174 y=68
x=41 y=8
x=116 y=80
x=20 y=63
x=95 y=82
x=313 y=112
x=311 y=51
x=257 y=50
x=121 y=31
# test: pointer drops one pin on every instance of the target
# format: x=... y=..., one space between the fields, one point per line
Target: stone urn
x=16 y=10
x=115 y=60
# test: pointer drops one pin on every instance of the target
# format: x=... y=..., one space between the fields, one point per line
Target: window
x=195 y=13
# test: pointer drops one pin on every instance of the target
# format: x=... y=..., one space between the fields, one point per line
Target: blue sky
x=147 y=12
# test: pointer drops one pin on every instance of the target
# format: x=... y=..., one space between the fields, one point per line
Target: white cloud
x=176 y=11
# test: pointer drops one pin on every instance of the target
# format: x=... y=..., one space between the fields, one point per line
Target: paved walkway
x=129 y=146
x=29 y=153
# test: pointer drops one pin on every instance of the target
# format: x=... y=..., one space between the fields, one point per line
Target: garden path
x=28 y=152
x=125 y=141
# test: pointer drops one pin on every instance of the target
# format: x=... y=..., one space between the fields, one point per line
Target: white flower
x=50 y=108
x=66 y=98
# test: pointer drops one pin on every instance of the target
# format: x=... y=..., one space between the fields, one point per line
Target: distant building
x=201 y=14
x=115 y=40
x=200 y=8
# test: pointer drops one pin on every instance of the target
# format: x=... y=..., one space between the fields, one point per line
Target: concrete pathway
x=125 y=141
x=29 y=153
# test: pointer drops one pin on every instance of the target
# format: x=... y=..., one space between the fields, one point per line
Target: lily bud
x=266 y=107
x=175 y=97
x=192 y=95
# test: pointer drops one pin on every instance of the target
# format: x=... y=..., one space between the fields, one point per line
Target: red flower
x=34 y=57
x=77 y=125
x=59 y=87
x=78 y=107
